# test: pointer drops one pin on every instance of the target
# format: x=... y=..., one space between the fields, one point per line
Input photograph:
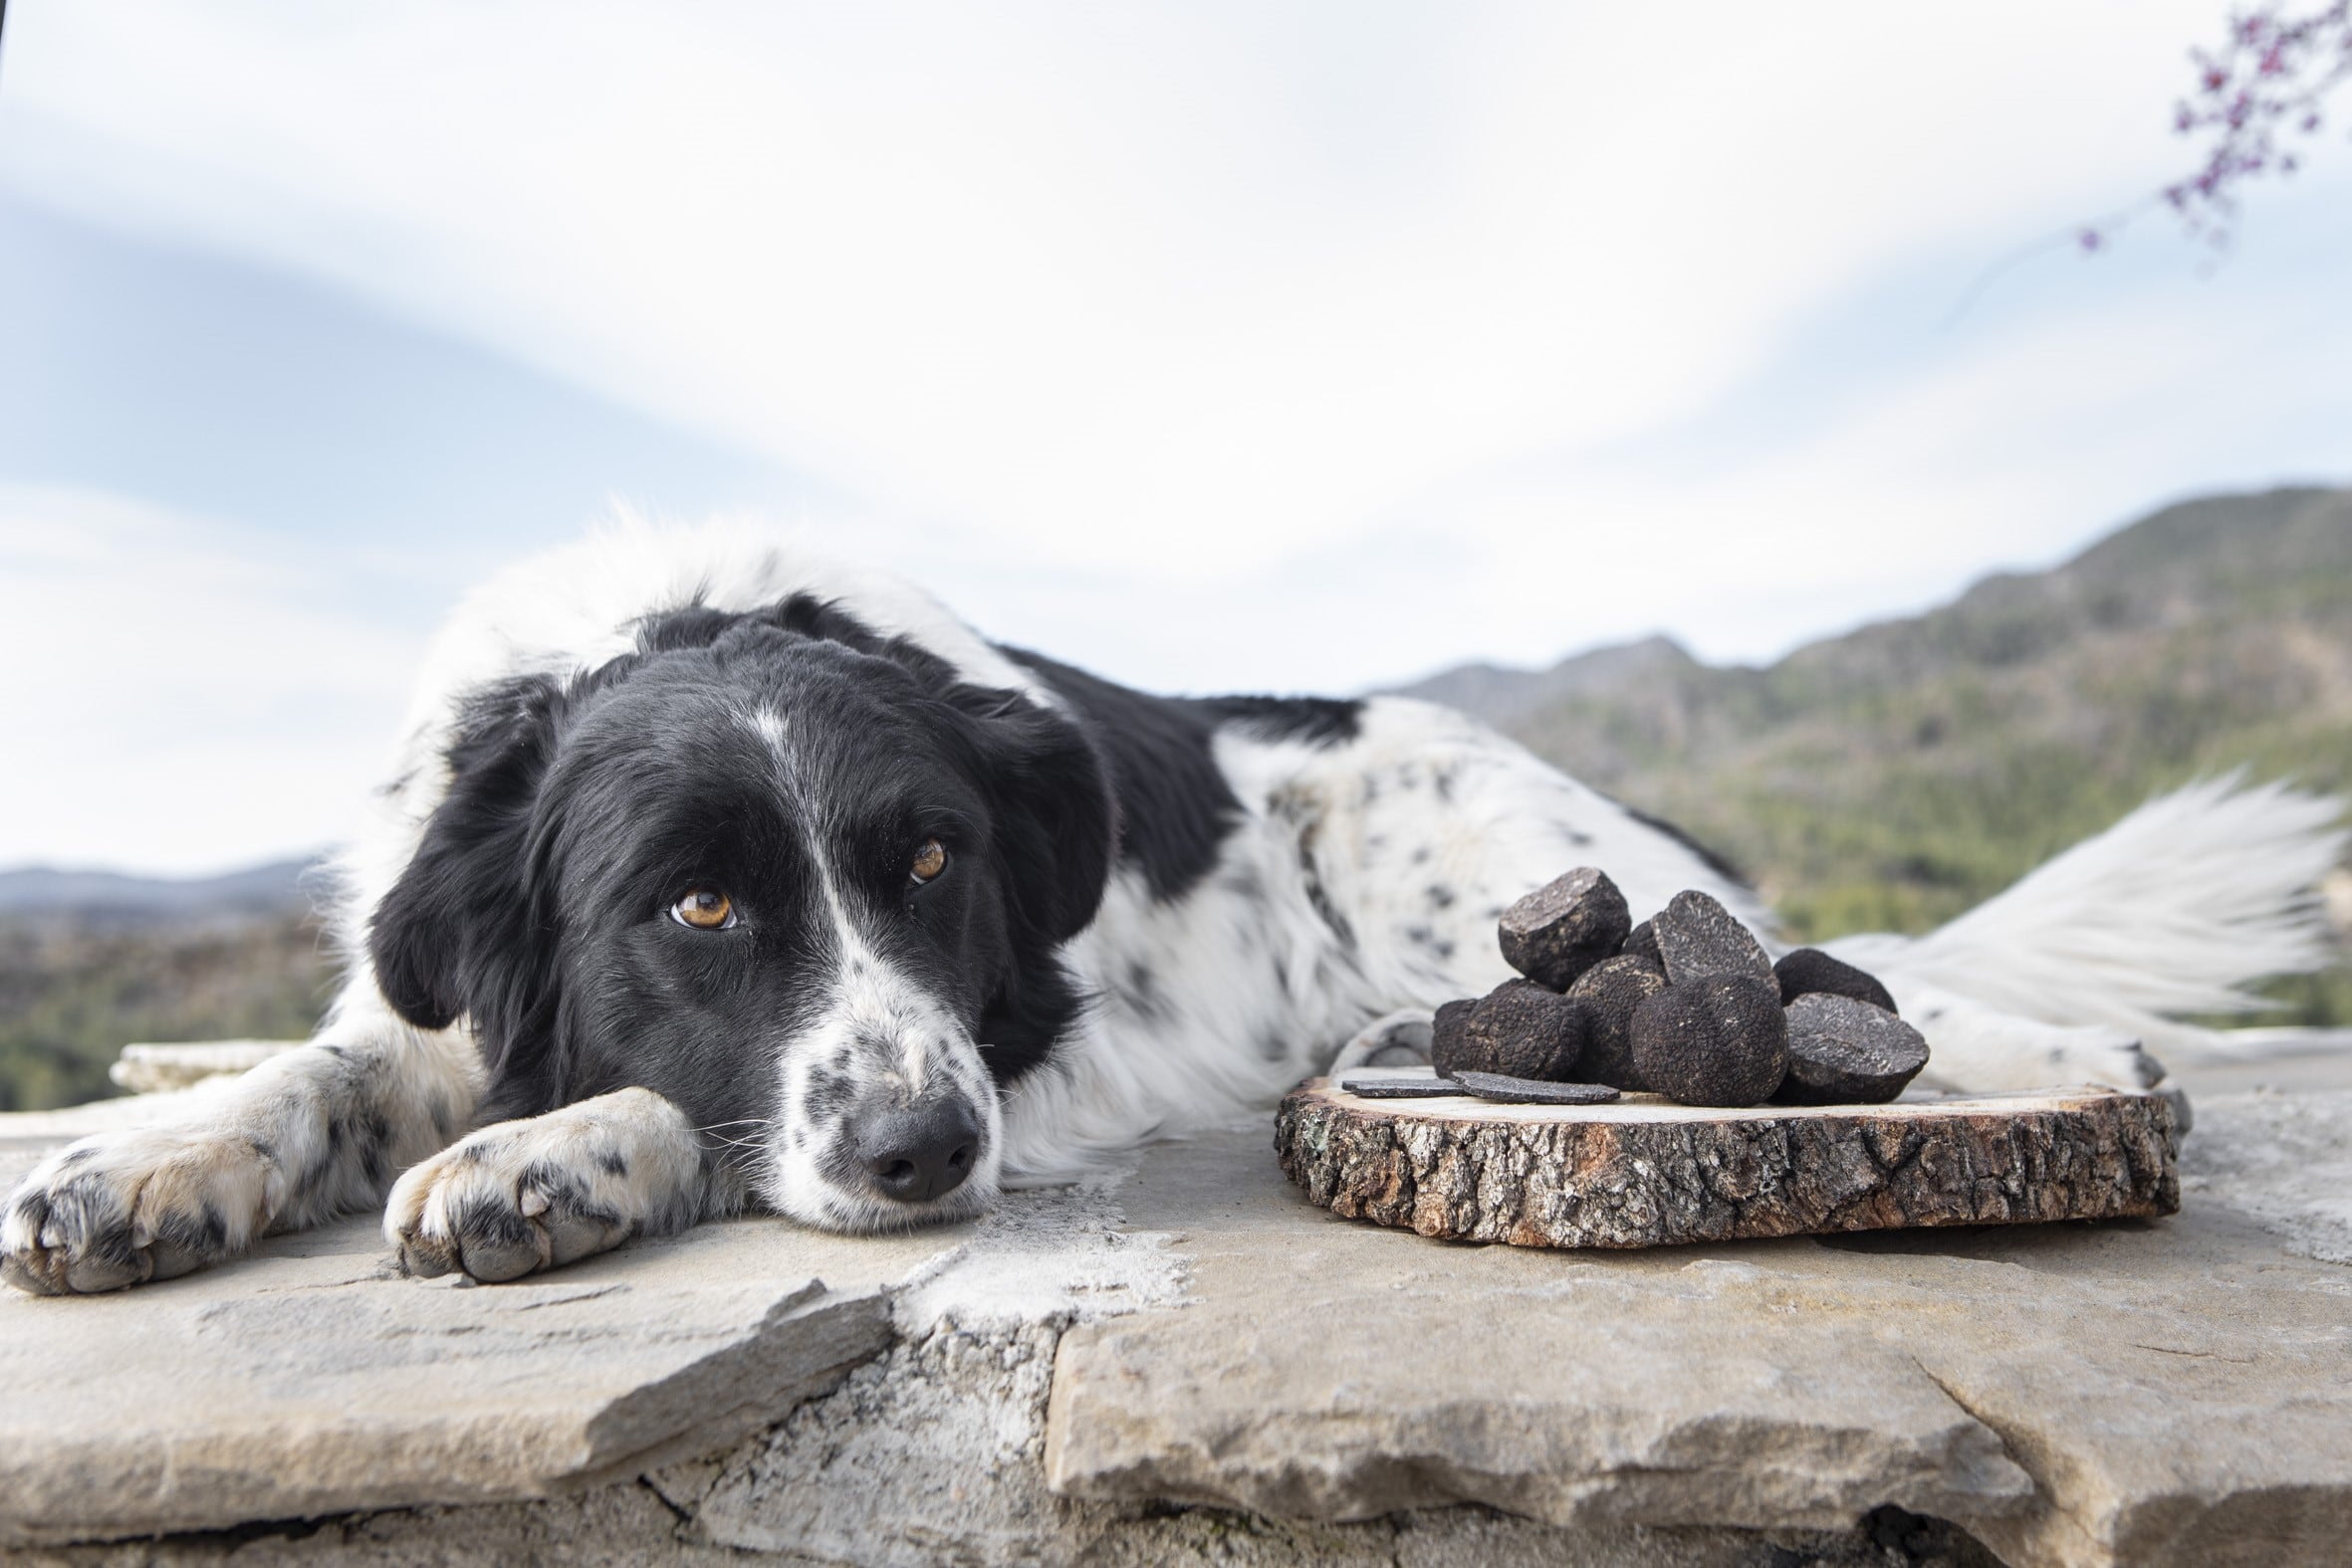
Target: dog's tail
x=2175 y=910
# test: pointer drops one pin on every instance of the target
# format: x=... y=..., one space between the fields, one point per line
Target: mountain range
x=1890 y=777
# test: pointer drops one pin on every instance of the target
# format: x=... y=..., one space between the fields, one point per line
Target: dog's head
x=797 y=878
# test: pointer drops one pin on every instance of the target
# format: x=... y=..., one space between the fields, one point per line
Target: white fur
x=891 y=1036
x=2171 y=911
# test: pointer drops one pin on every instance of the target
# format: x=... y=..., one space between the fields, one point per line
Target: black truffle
x=1610 y=991
x=1698 y=936
x=1519 y=1030
x=1642 y=943
x=1370 y=1087
x=1810 y=972
x=1717 y=1039
x=1847 y=1053
x=1444 y=1030
x=1565 y=927
x=1529 y=1091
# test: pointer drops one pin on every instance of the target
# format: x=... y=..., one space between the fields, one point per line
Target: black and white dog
x=717 y=875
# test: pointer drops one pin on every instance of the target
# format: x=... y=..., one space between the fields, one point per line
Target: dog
x=714 y=874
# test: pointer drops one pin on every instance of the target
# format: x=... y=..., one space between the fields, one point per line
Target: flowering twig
x=2266 y=85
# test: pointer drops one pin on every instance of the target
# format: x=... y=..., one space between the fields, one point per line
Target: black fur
x=1175 y=807
x=537 y=903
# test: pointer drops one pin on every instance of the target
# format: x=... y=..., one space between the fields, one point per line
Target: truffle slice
x=1610 y=991
x=1519 y=1030
x=1698 y=936
x=1400 y=1088
x=1717 y=1039
x=1527 y=1091
x=1565 y=927
x=1847 y=1053
x=1809 y=972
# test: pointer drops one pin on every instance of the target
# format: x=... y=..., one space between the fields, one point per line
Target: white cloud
x=1086 y=281
x=184 y=697
x=1244 y=345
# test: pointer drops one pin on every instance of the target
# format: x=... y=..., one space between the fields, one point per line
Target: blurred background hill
x=91 y=962
x=1890 y=777
x=1886 y=779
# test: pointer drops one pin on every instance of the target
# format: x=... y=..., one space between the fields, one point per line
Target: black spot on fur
x=827 y=1097
x=611 y=1162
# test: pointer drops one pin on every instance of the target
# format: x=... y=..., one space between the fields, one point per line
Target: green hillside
x=1891 y=778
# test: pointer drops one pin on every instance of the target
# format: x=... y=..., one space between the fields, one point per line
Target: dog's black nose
x=918 y=1153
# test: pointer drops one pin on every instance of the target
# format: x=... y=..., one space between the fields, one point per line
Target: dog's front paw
x=525 y=1195
x=124 y=1208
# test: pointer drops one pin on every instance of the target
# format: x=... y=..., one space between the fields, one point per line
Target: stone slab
x=1646 y=1172
x=311 y=1379
x=2161 y=1391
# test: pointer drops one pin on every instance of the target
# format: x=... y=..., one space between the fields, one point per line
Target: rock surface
x=2169 y=1393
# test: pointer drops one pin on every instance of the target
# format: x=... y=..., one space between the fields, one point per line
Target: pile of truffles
x=1685 y=1005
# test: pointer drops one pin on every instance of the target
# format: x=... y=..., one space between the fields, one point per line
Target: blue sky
x=1214 y=347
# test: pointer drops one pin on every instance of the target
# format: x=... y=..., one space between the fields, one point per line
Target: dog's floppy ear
x=1056 y=818
x=459 y=932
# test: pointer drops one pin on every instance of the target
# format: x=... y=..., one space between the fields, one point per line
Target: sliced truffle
x=1717 y=1039
x=1847 y=1053
x=1530 y=1091
x=1698 y=936
x=1519 y=1030
x=1370 y=1087
x=1565 y=927
x=1810 y=972
x=1611 y=991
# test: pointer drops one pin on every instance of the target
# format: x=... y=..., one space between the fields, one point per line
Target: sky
x=1292 y=346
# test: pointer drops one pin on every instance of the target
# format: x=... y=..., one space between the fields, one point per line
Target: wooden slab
x=1647 y=1172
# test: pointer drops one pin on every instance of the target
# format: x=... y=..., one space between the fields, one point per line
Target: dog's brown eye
x=929 y=862
x=704 y=909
